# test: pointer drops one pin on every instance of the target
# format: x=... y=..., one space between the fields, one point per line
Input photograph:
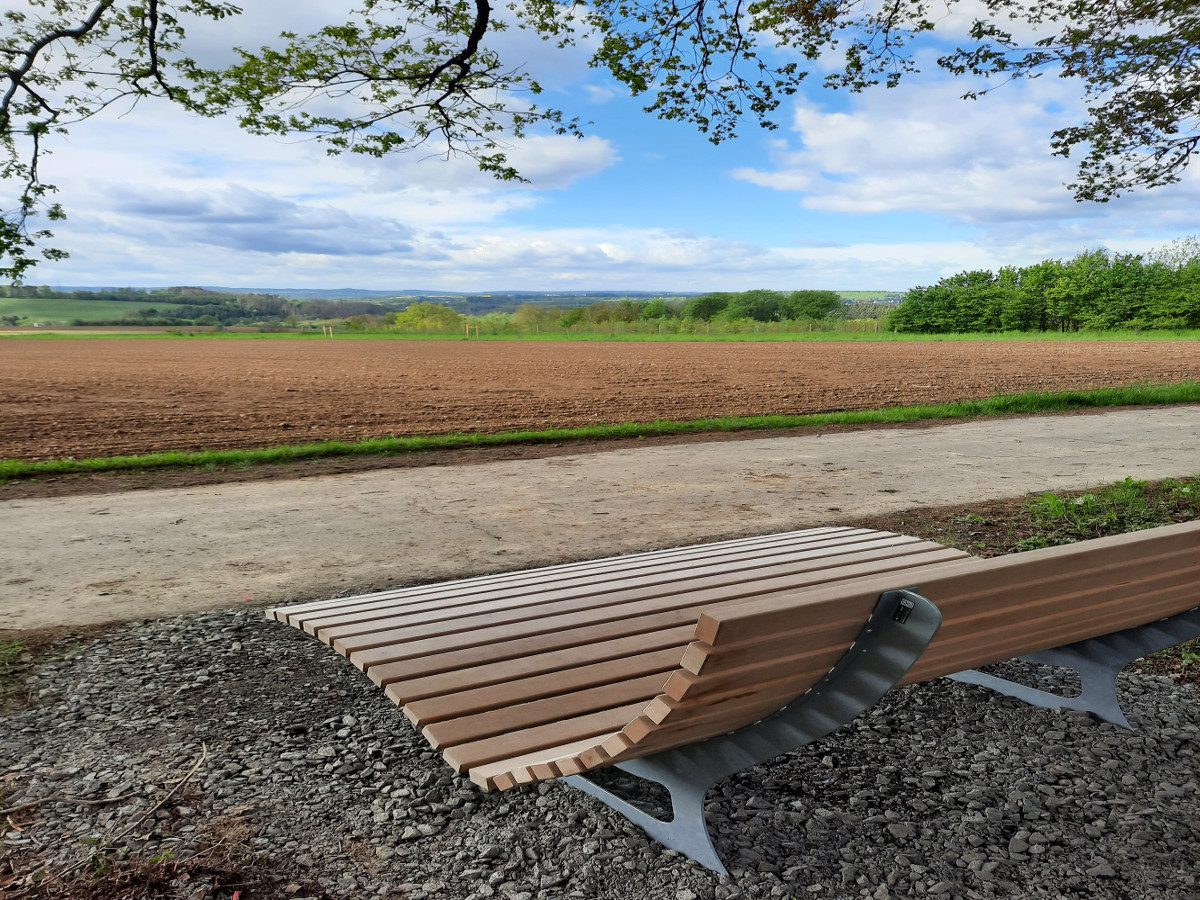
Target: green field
x=53 y=311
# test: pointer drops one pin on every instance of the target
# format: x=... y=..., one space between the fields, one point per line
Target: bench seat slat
x=469 y=602
x=466 y=756
x=805 y=658
x=564 y=759
x=691 y=594
x=646 y=736
x=518 y=716
x=507 y=693
x=515 y=674
x=364 y=607
x=976 y=586
x=440 y=655
x=688 y=577
x=292 y=614
x=1111 y=612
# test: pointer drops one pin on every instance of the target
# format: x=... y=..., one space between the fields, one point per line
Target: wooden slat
x=441 y=655
x=646 y=584
x=518 y=716
x=945 y=657
x=368 y=606
x=466 y=756
x=1000 y=580
x=473 y=599
x=693 y=593
x=646 y=736
x=811 y=664
x=512 y=674
x=564 y=758
x=508 y=692
x=288 y=613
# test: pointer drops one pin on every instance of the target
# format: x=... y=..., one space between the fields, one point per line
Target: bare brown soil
x=102 y=398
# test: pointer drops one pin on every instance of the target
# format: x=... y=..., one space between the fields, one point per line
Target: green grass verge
x=1119 y=508
x=1012 y=404
x=60 y=310
x=11 y=671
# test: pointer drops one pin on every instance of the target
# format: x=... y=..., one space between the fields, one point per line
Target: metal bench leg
x=1098 y=662
x=897 y=633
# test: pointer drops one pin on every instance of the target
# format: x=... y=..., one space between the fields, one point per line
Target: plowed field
x=100 y=398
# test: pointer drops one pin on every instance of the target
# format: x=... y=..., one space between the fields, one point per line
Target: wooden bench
x=686 y=665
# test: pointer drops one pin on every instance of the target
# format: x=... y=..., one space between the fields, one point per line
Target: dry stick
x=59 y=797
x=70 y=870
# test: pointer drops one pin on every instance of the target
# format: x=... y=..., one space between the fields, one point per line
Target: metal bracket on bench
x=896 y=634
x=1098 y=662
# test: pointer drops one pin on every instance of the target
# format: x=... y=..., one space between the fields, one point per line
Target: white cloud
x=549 y=162
x=599 y=94
x=986 y=163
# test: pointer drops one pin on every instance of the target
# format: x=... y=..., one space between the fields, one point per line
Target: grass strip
x=1011 y=404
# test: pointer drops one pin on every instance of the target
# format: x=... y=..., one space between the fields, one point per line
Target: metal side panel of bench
x=1098 y=661
x=896 y=634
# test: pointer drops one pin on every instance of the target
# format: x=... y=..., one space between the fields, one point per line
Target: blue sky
x=883 y=190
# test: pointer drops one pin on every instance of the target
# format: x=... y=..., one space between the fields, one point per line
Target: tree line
x=719 y=312
x=1096 y=291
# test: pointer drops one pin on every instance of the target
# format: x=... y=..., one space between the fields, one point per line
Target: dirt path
x=94 y=558
x=108 y=397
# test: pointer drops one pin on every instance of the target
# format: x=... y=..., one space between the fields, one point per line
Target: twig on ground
x=71 y=870
x=60 y=798
x=171 y=793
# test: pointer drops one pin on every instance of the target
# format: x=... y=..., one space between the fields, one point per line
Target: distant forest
x=1095 y=291
x=195 y=306
x=495 y=313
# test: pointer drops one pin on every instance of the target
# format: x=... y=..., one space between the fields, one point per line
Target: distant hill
x=409 y=293
x=359 y=294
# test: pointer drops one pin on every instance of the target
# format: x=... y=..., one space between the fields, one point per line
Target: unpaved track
x=88 y=559
x=110 y=397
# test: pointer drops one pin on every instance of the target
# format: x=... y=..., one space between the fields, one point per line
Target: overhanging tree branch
x=399 y=74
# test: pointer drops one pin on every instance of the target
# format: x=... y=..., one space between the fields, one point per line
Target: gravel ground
x=316 y=786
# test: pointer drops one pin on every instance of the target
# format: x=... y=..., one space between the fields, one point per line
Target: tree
x=706 y=306
x=423 y=316
x=404 y=74
x=812 y=304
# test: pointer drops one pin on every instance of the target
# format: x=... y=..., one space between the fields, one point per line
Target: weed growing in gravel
x=11 y=669
x=1126 y=506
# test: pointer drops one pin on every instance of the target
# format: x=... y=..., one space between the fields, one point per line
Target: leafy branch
x=399 y=75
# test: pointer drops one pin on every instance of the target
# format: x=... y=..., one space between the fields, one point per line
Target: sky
x=884 y=190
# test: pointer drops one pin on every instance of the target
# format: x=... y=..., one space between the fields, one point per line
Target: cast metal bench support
x=1098 y=662
x=896 y=634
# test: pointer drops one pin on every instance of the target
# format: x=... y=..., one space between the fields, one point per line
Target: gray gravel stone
x=942 y=790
